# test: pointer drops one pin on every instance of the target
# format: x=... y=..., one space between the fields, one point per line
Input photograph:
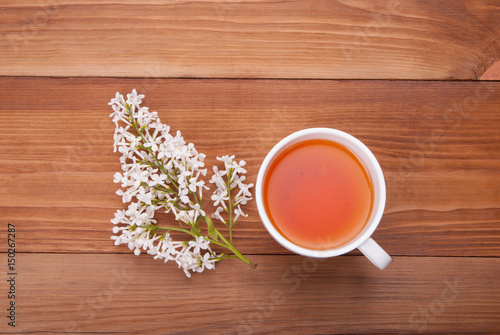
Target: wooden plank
x=350 y=39
x=437 y=143
x=286 y=294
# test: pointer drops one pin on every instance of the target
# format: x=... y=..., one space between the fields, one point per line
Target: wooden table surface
x=416 y=81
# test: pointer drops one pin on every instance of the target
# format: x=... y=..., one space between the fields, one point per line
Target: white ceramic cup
x=362 y=241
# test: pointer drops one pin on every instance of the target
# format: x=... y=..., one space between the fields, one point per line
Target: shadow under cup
x=371 y=166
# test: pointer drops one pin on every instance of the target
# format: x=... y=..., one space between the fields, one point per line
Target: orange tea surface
x=317 y=194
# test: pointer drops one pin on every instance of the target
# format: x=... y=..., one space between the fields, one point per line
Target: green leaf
x=195 y=228
x=195 y=231
x=212 y=232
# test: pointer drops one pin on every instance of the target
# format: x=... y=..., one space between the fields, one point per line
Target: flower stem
x=236 y=252
x=226 y=244
x=176 y=229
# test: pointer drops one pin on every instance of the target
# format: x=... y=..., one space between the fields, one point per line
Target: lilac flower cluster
x=163 y=172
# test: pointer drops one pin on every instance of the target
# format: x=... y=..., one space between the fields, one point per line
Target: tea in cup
x=320 y=192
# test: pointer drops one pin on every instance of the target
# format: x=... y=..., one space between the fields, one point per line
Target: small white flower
x=219 y=197
x=145 y=196
x=183 y=195
x=226 y=159
x=117 y=178
x=139 y=177
x=134 y=98
x=135 y=141
x=199 y=243
x=118 y=102
x=206 y=262
x=194 y=183
x=197 y=209
x=216 y=214
x=238 y=212
x=157 y=179
x=120 y=217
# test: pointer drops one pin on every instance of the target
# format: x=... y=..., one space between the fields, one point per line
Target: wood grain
x=349 y=39
x=437 y=143
x=286 y=295
x=493 y=72
x=248 y=74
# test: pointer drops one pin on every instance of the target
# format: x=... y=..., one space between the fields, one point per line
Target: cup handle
x=375 y=253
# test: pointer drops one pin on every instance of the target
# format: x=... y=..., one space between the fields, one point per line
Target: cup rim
x=372 y=166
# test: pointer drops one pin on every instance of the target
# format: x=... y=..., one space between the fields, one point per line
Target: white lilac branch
x=163 y=172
